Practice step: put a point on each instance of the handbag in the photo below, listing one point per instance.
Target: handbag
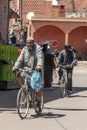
(36, 81)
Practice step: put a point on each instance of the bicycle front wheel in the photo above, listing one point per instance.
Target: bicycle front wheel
(22, 103)
(63, 86)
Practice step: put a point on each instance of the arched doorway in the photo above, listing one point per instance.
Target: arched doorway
(77, 38)
(50, 32)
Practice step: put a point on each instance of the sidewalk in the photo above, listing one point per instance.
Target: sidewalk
(69, 113)
(82, 62)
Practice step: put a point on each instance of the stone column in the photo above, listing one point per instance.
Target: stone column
(66, 37)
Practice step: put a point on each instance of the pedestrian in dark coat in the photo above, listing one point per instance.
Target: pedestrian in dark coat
(48, 66)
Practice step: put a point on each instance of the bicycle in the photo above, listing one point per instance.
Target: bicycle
(64, 81)
(27, 98)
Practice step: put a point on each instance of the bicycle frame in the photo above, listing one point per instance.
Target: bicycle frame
(65, 80)
(26, 97)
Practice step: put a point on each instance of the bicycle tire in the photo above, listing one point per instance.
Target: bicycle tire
(22, 103)
(38, 105)
(63, 86)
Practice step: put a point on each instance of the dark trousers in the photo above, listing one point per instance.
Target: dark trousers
(48, 74)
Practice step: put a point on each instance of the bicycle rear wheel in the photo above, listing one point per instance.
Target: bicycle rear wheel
(22, 103)
(38, 105)
(63, 86)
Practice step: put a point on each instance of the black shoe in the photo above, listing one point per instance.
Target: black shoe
(59, 82)
(30, 105)
(38, 107)
(69, 92)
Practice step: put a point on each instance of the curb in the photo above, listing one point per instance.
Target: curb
(82, 62)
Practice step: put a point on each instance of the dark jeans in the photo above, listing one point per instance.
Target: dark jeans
(69, 77)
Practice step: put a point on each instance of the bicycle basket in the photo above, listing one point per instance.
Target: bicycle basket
(36, 80)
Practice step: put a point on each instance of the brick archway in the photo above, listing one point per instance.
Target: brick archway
(77, 38)
(67, 30)
(50, 32)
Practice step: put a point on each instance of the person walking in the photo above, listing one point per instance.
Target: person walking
(48, 66)
(13, 39)
(67, 57)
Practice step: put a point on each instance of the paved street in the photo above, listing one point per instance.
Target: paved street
(69, 113)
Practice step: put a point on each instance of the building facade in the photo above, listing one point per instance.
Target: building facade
(6, 13)
(4, 19)
(46, 21)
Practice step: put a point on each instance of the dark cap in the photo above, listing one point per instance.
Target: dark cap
(67, 45)
(45, 43)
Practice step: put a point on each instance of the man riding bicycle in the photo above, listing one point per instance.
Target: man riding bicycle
(67, 57)
(32, 57)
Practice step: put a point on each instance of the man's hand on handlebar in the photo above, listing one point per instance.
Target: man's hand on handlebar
(37, 68)
(14, 69)
(72, 65)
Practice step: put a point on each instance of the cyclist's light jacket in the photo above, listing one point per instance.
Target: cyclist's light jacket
(30, 58)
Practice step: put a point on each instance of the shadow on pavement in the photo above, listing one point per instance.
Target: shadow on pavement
(48, 115)
(8, 97)
(55, 93)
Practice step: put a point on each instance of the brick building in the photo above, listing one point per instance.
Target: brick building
(50, 23)
(6, 13)
(4, 7)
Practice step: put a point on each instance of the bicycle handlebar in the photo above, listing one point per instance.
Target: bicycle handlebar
(66, 66)
(25, 70)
